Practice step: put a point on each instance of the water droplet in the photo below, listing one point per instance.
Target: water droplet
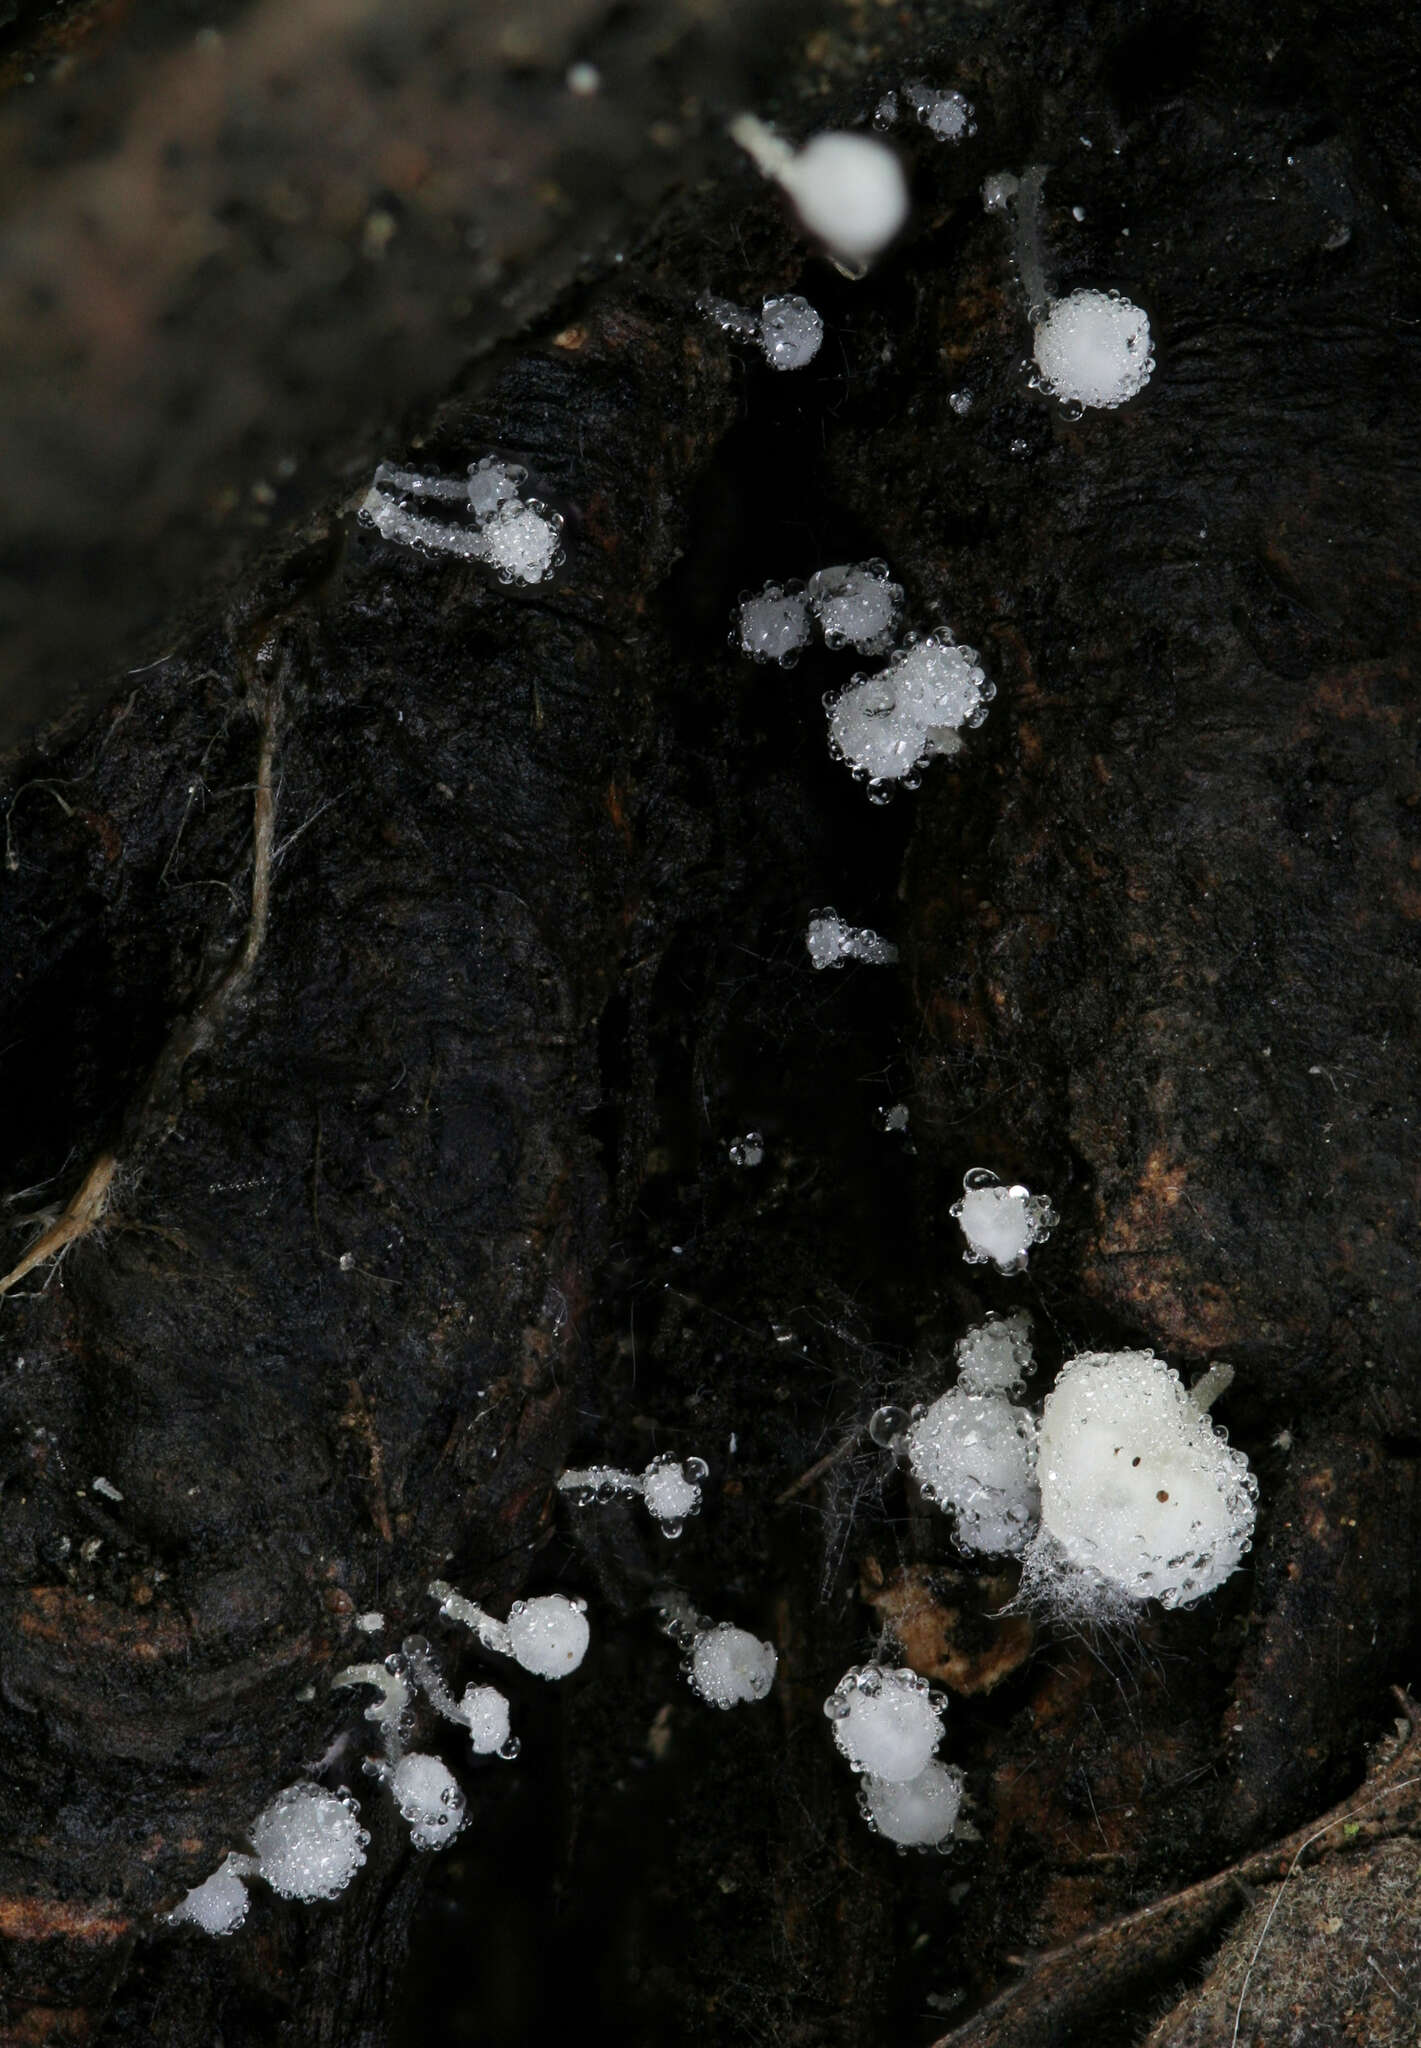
(886, 1425)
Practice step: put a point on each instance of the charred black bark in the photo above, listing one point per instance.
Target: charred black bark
(385, 1170)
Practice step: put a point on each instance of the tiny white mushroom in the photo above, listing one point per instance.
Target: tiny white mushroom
(547, 1635)
(919, 1814)
(428, 1796)
(729, 1666)
(309, 1842)
(670, 1487)
(483, 1710)
(1000, 1224)
(857, 605)
(219, 1904)
(886, 1723)
(1140, 1493)
(773, 625)
(1093, 349)
(848, 190)
(791, 332)
(831, 941)
(724, 1665)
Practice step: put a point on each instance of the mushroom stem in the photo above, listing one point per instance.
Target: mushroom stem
(1206, 1391)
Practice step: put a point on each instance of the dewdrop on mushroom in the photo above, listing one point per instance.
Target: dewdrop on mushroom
(1142, 1497)
(1000, 1224)
(943, 112)
(670, 1487)
(788, 329)
(723, 1665)
(547, 1635)
(886, 1723)
(848, 190)
(974, 1455)
(919, 1814)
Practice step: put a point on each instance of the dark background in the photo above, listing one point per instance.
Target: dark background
(441, 1201)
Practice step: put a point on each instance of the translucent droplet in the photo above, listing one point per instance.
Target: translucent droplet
(886, 1425)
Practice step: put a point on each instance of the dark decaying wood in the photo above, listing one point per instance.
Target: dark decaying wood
(387, 971)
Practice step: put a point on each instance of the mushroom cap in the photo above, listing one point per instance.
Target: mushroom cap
(850, 192)
(548, 1635)
(1093, 349)
(885, 1722)
(730, 1667)
(1137, 1485)
(917, 1814)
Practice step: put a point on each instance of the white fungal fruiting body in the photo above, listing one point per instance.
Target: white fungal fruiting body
(428, 1796)
(975, 1455)
(1093, 349)
(994, 1356)
(484, 1712)
(920, 1814)
(791, 332)
(832, 940)
(774, 624)
(670, 1486)
(857, 605)
(547, 1635)
(1001, 1224)
(730, 1667)
(886, 726)
(519, 538)
(219, 1905)
(886, 1723)
(1139, 1490)
(945, 113)
(848, 190)
(309, 1842)
(522, 543)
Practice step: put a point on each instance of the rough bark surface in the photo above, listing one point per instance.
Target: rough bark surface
(387, 971)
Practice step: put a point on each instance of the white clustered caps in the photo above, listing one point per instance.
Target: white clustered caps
(1093, 349)
(920, 1814)
(887, 726)
(790, 332)
(483, 1710)
(773, 625)
(945, 113)
(309, 1842)
(886, 1723)
(1142, 1496)
(1000, 1224)
(848, 190)
(832, 940)
(219, 1904)
(670, 1486)
(857, 605)
(547, 1635)
(974, 1454)
(519, 537)
(723, 1665)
